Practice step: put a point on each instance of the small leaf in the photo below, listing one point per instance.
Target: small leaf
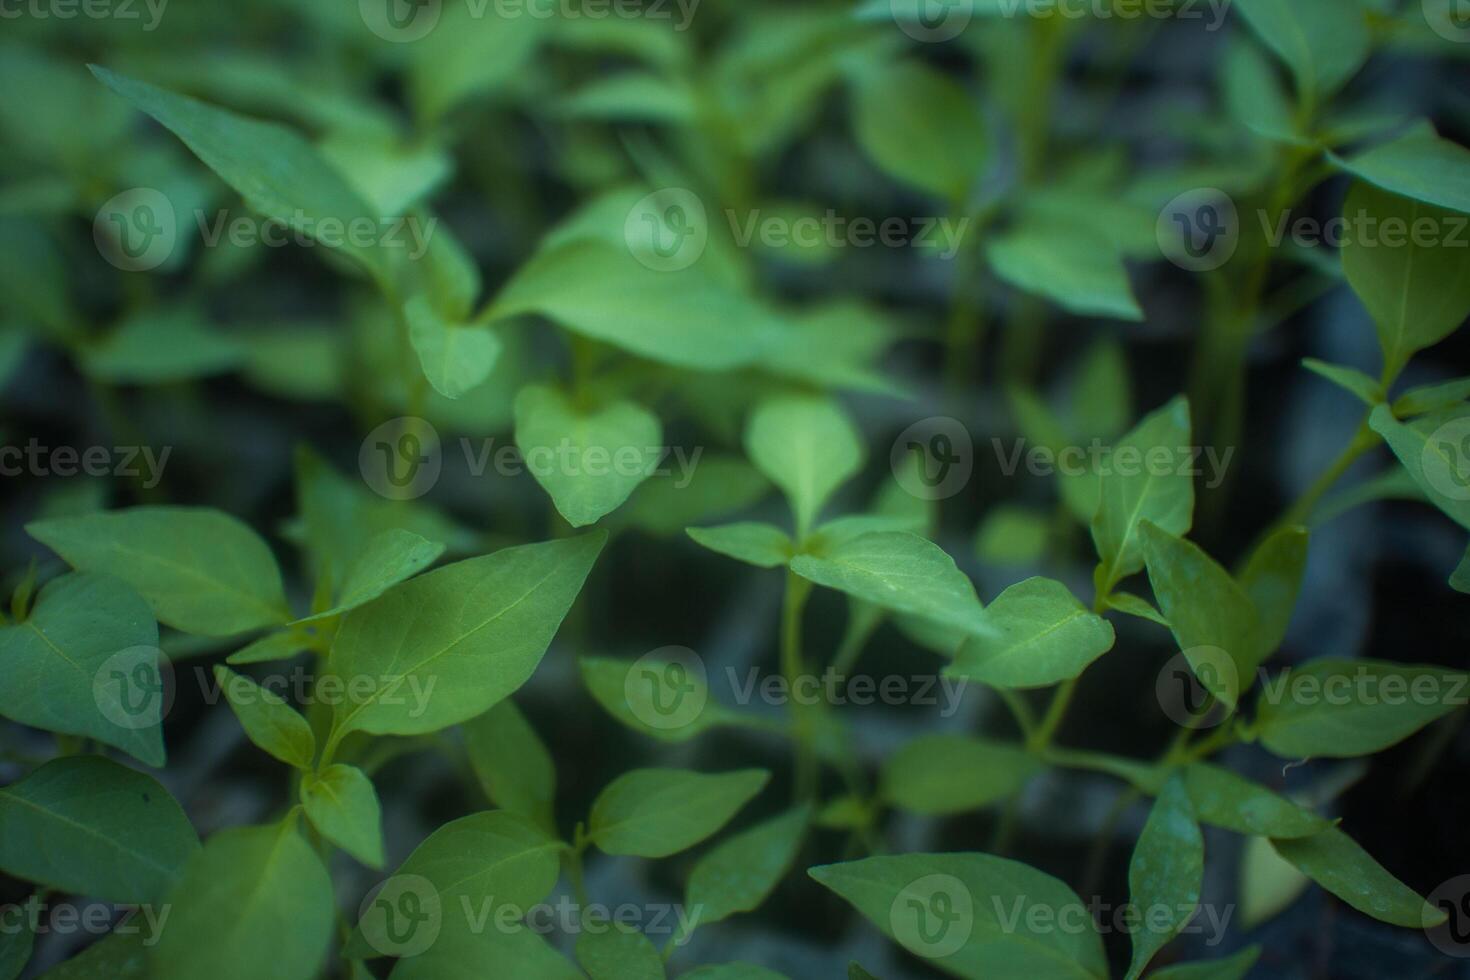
(341, 803)
(88, 825)
(1431, 398)
(456, 357)
(387, 558)
(1365, 389)
(920, 127)
(1335, 862)
(1233, 967)
(664, 699)
(658, 812)
(1432, 450)
(512, 764)
(1418, 165)
(807, 447)
(942, 774)
(1255, 97)
(1272, 578)
(613, 951)
(755, 543)
(281, 645)
(1222, 798)
(268, 720)
(161, 346)
(1165, 873)
(1082, 273)
(739, 873)
(1323, 42)
(1039, 635)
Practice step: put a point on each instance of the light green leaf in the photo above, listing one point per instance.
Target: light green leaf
(201, 570)
(612, 951)
(1433, 449)
(1165, 873)
(808, 447)
(1334, 861)
(1365, 389)
(590, 461)
(1039, 635)
(1223, 799)
(159, 346)
(512, 764)
(740, 872)
(1272, 578)
(254, 902)
(1013, 535)
(665, 699)
(943, 774)
(753, 542)
(341, 803)
(1419, 165)
(458, 59)
(1233, 967)
(1101, 402)
(1323, 42)
(973, 915)
(658, 812)
(446, 646)
(1269, 883)
(88, 825)
(456, 357)
(387, 558)
(902, 572)
(1127, 602)
(268, 720)
(920, 127)
(1431, 398)
(85, 662)
(1082, 273)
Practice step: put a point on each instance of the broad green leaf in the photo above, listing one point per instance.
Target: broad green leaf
(1323, 42)
(902, 572)
(1272, 578)
(1207, 612)
(1433, 449)
(943, 774)
(88, 825)
(732, 971)
(973, 915)
(1334, 861)
(808, 447)
(254, 902)
(201, 570)
(1410, 275)
(1255, 98)
(1419, 165)
(85, 662)
(920, 127)
(341, 803)
(1084, 274)
(1345, 708)
(1136, 488)
(159, 346)
(1365, 389)
(444, 647)
(753, 542)
(1039, 635)
(717, 486)
(1431, 398)
(1165, 873)
(589, 460)
(268, 720)
(512, 764)
(1223, 799)
(490, 952)
(658, 812)
(387, 558)
(665, 699)
(1233, 967)
(612, 951)
(277, 172)
(455, 356)
(739, 873)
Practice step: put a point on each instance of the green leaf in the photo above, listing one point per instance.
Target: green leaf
(1039, 635)
(1419, 165)
(1233, 967)
(1323, 42)
(740, 872)
(973, 915)
(902, 572)
(201, 570)
(254, 902)
(88, 825)
(1166, 873)
(1272, 578)
(512, 764)
(855, 971)
(589, 461)
(458, 59)
(281, 645)
(1223, 799)
(1365, 389)
(446, 646)
(277, 172)
(732, 971)
(117, 956)
(1415, 286)
(753, 542)
(1269, 883)
(942, 774)
(613, 951)
(920, 127)
(1013, 535)
(268, 720)
(658, 812)
(498, 951)
(1127, 602)
(666, 699)
(719, 485)
(1433, 451)
(159, 346)
(456, 357)
(1344, 708)
(1431, 398)
(85, 662)
(1135, 489)
(631, 96)
(387, 558)
(1255, 97)
(341, 803)
(1080, 272)
(1334, 861)
(808, 447)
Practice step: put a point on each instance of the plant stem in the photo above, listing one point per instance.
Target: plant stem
(1052, 720)
(792, 668)
(1301, 511)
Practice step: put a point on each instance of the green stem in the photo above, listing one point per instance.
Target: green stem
(792, 669)
(1300, 512)
(1052, 720)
